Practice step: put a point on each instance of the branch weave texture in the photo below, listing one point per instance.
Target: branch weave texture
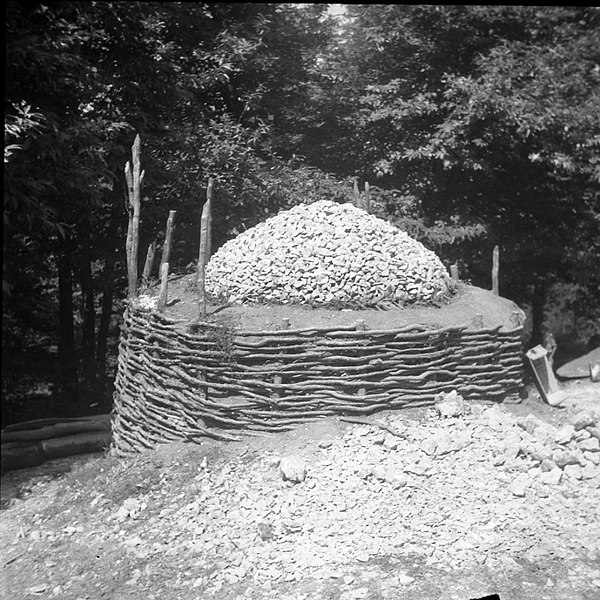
(175, 385)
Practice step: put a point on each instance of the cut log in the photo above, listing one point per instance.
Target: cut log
(54, 431)
(20, 455)
(102, 420)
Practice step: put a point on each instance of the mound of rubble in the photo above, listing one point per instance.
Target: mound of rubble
(326, 254)
(470, 485)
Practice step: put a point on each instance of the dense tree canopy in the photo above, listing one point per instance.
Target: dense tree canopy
(479, 125)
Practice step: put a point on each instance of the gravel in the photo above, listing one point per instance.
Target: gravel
(436, 492)
(326, 254)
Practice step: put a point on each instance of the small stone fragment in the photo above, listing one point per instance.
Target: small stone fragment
(592, 457)
(379, 473)
(537, 452)
(293, 469)
(519, 485)
(582, 434)
(590, 445)
(265, 531)
(529, 423)
(564, 434)
(379, 439)
(547, 465)
(450, 404)
(582, 420)
(499, 460)
(573, 471)
(564, 457)
(428, 445)
(595, 432)
(590, 471)
(397, 480)
(552, 477)
(364, 472)
(390, 442)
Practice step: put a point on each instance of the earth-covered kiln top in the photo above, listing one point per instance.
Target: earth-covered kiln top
(326, 254)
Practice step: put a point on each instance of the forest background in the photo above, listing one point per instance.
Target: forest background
(475, 126)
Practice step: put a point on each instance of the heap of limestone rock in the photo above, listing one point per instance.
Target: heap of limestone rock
(326, 254)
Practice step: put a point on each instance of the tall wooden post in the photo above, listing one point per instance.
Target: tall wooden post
(367, 202)
(454, 272)
(150, 253)
(166, 251)
(164, 282)
(134, 179)
(356, 193)
(495, 267)
(205, 232)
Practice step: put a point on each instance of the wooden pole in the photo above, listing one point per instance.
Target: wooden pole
(150, 253)
(454, 272)
(166, 251)
(367, 205)
(204, 247)
(164, 282)
(356, 193)
(134, 179)
(495, 267)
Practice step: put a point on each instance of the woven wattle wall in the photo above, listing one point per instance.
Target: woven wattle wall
(173, 384)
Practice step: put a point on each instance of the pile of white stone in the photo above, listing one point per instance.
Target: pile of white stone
(326, 254)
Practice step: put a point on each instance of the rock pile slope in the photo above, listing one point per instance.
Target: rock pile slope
(326, 254)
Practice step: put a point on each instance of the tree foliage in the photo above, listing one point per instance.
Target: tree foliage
(489, 117)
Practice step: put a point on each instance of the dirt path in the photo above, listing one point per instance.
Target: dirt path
(456, 507)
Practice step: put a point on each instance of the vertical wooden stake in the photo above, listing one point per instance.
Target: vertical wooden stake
(164, 279)
(166, 251)
(454, 272)
(495, 267)
(147, 273)
(134, 179)
(285, 323)
(356, 193)
(515, 318)
(367, 205)
(204, 247)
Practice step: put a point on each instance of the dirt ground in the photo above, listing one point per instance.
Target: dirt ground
(380, 514)
(459, 310)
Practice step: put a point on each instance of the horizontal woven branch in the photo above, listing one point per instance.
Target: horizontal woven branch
(176, 384)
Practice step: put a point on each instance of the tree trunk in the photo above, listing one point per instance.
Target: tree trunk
(538, 303)
(105, 315)
(68, 381)
(108, 288)
(88, 313)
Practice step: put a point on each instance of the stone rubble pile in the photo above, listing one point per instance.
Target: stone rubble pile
(452, 489)
(326, 254)
(572, 450)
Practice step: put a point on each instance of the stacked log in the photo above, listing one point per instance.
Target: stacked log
(32, 443)
(177, 383)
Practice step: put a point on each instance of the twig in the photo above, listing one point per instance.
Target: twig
(379, 424)
(12, 560)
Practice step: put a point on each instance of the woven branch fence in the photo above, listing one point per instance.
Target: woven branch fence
(179, 383)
